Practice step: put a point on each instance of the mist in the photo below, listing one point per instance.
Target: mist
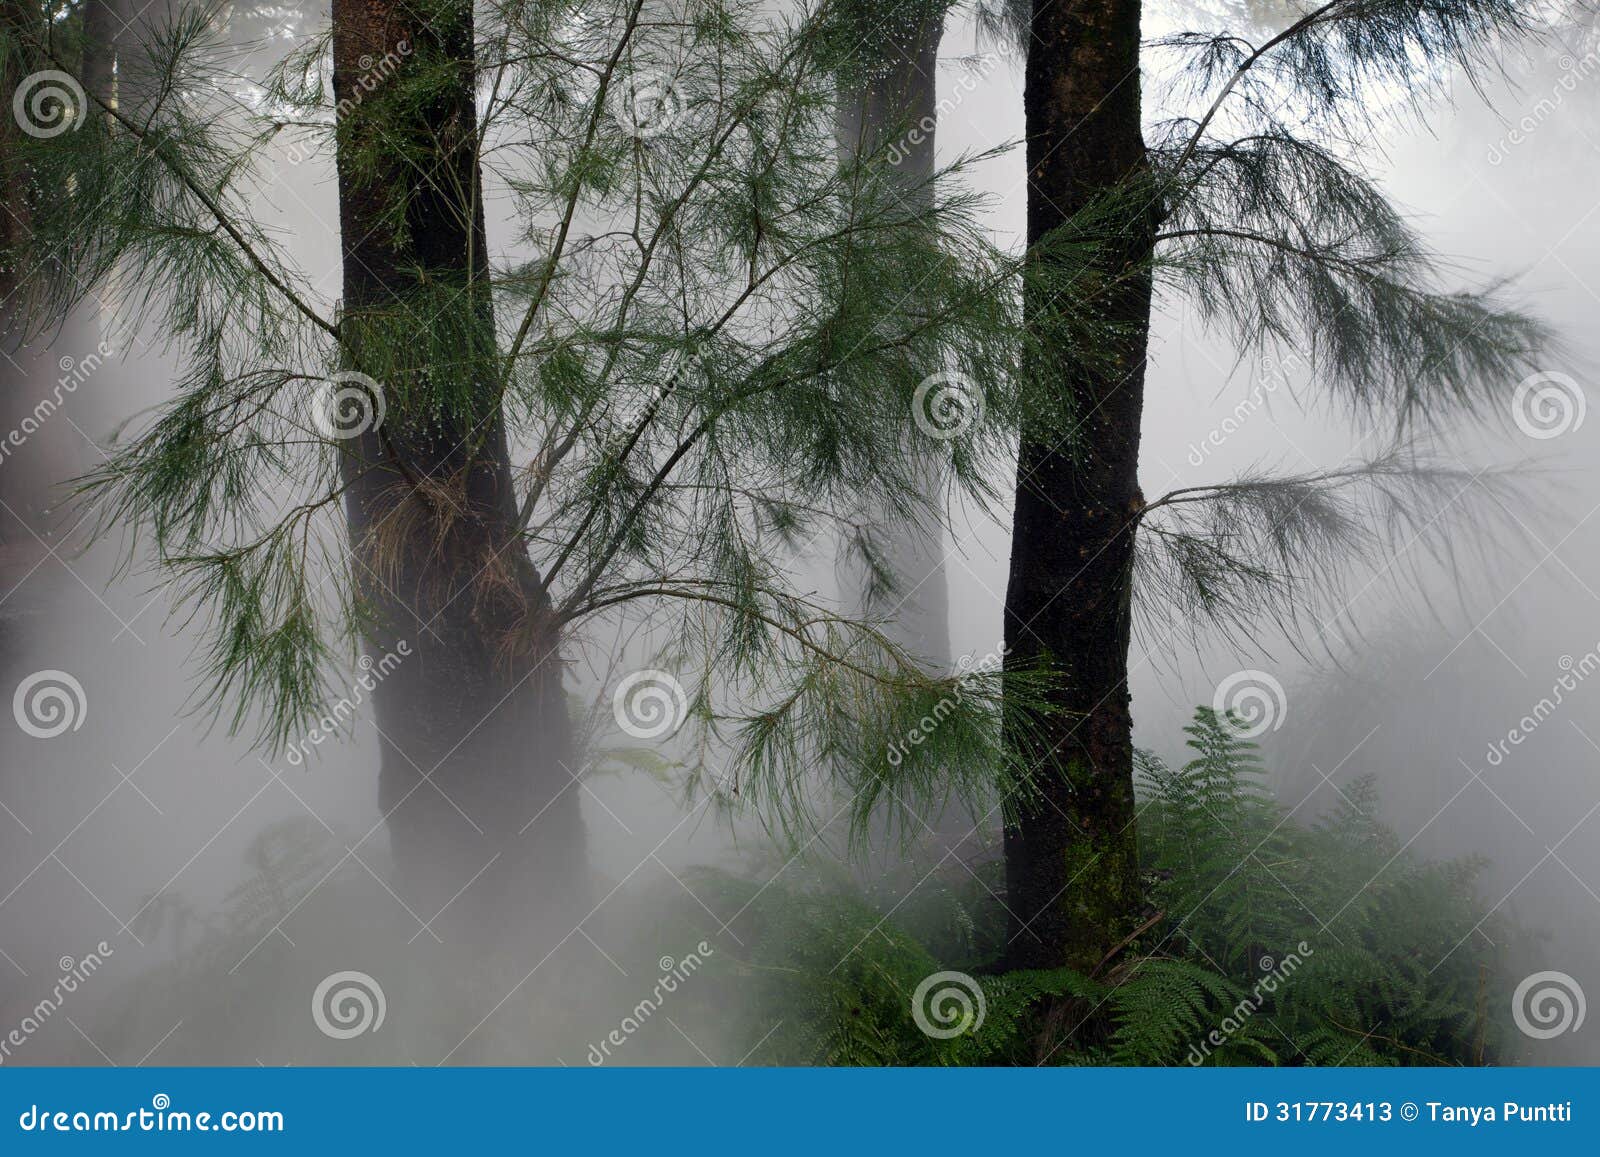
(244, 907)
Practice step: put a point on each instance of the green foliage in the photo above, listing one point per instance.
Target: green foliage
(1279, 548)
(696, 333)
(694, 326)
(1273, 230)
(1272, 942)
(1295, 944)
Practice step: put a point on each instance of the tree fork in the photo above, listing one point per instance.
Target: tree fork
(476, 740)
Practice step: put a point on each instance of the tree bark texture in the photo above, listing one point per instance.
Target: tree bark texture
(477, 761)
(1071, 856)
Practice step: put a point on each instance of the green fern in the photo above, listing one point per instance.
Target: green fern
(1276, 942)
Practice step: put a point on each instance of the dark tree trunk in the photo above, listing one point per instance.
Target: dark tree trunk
(1071, 858)
(476, 741)
(889, 105)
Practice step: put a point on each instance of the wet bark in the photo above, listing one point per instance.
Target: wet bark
(1071, 857)
(476, 749)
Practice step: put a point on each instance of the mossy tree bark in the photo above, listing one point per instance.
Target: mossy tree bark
(477, 763)
(1071, 856)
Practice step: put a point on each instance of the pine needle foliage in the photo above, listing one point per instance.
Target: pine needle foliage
(1274, 231)
(1275, 940)
(709, 337)
(1281, 549)
(705, 332)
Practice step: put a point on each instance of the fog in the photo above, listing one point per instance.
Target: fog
(142, 824)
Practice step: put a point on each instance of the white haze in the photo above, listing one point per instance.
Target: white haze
(144, 803)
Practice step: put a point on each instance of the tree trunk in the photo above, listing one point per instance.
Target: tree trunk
(1071, 857)
(475, 736)
(888, 105)
(102, 22)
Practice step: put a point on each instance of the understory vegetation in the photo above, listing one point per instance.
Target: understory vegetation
(1274, 935)
(1294, 942)
(637, 309)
